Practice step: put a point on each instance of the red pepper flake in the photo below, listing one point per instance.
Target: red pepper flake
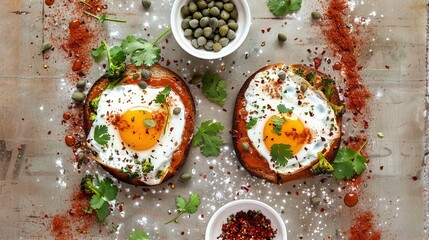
(415, 178)
(317, 62)
(247, 225)
(205, 176)
(363, 228)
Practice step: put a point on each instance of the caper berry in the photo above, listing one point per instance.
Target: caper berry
(198, 32)
(142, 84)
(214, 11)
(146, 74)
(177, 110)
(78, 97)
(231, 34)
(192, 7)
(223, 30)
(204, 22)
(201, 41)
(217, 47)
(194, 23)
(185, 23)
(316, 15)
(281, 37)
(146, 3)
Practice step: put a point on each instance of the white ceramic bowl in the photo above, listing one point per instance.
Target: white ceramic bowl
(243, 21)
(214, 228)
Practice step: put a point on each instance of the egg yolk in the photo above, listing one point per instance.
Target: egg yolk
(141, 129)
(292, 132)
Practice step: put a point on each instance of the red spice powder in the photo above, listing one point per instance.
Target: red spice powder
(343, 45)
(363, 228)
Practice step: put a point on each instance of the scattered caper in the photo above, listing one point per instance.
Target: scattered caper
(303, 88)
(316, 15)
(231, 34)
(196, 79)
(80, 85)
(146, 74)
(201, 41)
(177, 110)
(281, 37)
(223, 30)
(142, 84)
(282, 75)
(78, 97)
(185, 177)
(194, 23)
(245, 146)
(217, 47)
(46, 46)
(315, 201)
(146, 3)
(198, 32)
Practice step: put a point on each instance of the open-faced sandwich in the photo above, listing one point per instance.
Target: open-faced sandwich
(140, 128)
(286, 118)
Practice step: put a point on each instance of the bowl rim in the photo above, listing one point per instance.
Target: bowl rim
(250, 202)
(176, 29)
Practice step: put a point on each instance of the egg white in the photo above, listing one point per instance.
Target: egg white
(119, 100)
(265, 93)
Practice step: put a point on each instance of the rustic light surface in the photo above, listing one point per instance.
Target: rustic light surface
(38, 179)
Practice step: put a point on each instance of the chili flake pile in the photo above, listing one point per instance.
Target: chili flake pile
(250, 225)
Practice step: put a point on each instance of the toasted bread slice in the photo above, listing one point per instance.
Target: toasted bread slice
(249, 157)
(160, 77)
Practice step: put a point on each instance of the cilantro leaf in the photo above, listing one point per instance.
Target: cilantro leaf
(101, 135)
(282, 7)
(138, 235)
(96, 202)
(207, 137)
(182, 206)
(131, 44)
(162, 96)
(280, 153)
(214, 88)
(252, 122)
(107, 189)
(283, 109)
(348, 162)
(117, 54)
(103, 211)
(98, 53)
(278, 122)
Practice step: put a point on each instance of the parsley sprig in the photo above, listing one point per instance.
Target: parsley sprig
(214, 88)
(182, 206)
(280, 153)
(282, 7)
(102, 192)
(208, 139)
(349, 162)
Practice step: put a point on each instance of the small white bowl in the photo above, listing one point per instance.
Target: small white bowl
(243, 21)
(214, 228)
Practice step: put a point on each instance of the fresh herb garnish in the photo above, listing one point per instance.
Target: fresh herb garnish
(182, 206)
(103, 192)
(208, 138)
(161, 97)
(282, 7)
(283, 109)
(322, 166)
(348, 163)
(101, 135)
(115, 60)
(252, 122)
(103, 18)
(149, 123)
(214, 88)
(278, 122)
(142, 51)
(280, 153)
(138, 235)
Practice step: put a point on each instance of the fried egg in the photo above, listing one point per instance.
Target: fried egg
(309, 125)
(143, 134)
